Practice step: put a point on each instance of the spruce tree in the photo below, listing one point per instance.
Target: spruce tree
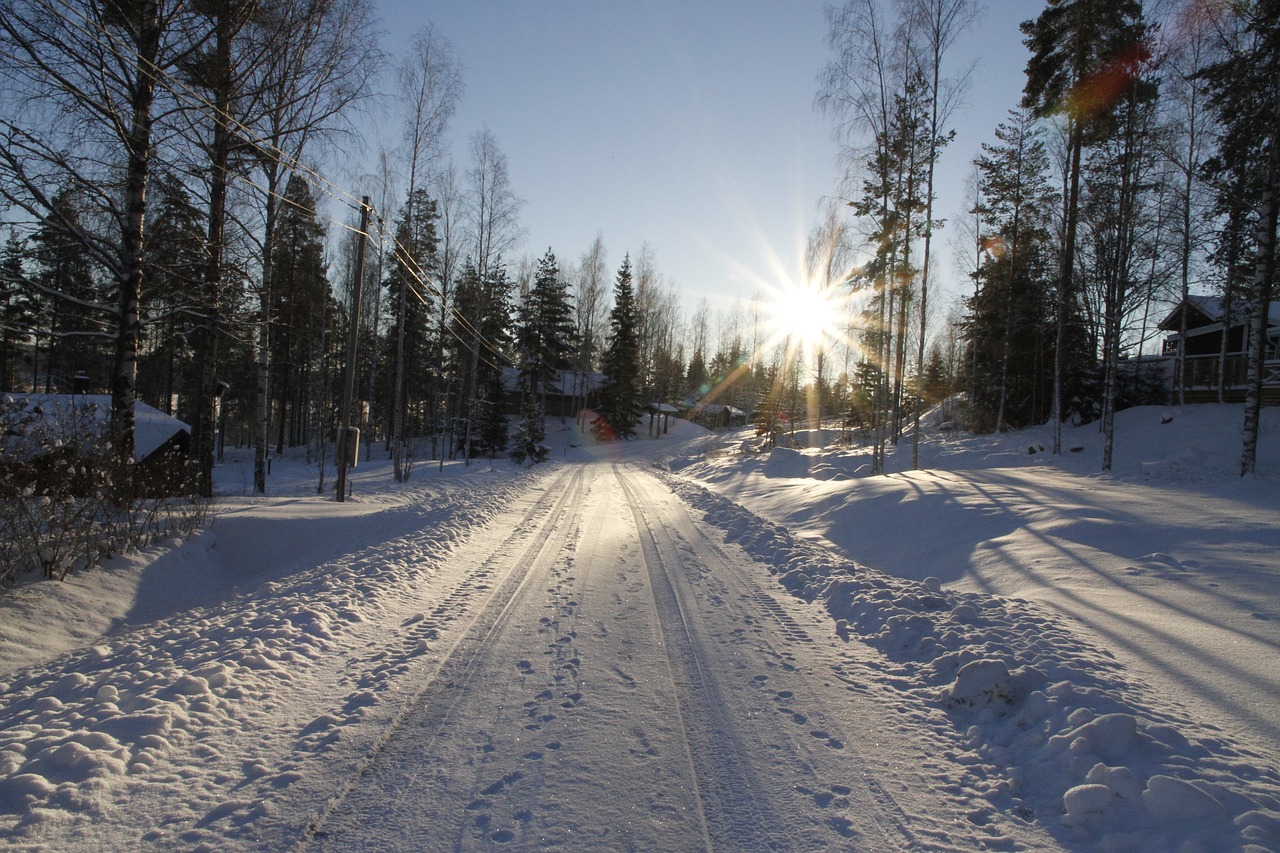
(172, 259)
(302, 303)
(480, 337)
(530, 439)
(413, 268)
(544, 341)
(17, 310)
(619, 406)
(72, 301)
(1010, 317)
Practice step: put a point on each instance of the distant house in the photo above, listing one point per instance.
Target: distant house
(570, 391)
(718, 415)
(1206, 326)
(70, 423)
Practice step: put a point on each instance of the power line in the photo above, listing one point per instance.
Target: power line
(180, 89)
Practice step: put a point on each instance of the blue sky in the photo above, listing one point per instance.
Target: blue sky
(685, 124)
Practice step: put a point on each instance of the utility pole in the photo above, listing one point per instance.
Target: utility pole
(353, 333)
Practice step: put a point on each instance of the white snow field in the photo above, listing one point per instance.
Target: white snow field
(676, 645)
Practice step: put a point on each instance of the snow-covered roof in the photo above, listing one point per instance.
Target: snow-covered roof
(152, 427)
(567, 382)
(1212, 308)
(718, 408)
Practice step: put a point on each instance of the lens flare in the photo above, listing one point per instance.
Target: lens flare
(806, 315)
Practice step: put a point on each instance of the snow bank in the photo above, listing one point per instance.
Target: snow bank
(1055, 733)
(168, 706)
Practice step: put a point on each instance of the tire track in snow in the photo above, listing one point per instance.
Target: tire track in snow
(541, 531)
(734, 817)
(940, 825)
(880, 821)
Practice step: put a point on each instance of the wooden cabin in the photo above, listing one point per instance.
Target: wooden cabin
(1205, 370)
(718, 416)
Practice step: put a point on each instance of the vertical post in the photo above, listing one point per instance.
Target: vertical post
(353, 333)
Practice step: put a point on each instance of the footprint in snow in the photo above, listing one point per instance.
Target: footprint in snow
(843, 826)
(499, 786)
(796, 717)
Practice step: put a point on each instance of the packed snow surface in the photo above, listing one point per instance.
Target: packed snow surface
(689, 643)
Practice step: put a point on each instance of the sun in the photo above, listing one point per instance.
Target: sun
(806, 315)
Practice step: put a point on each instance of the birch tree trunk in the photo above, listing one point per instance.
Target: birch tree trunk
(124, 382)
(1260, 293)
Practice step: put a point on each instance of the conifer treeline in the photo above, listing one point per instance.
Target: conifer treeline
(170, 232)
(1139, 167)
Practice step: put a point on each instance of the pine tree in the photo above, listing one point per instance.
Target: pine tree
(892, 202)
(619, 406)
(1075, 45)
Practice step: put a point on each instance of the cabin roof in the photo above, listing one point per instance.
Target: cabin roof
(152, 427)
(1208, 310)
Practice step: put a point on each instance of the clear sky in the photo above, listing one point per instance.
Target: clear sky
(686, 124)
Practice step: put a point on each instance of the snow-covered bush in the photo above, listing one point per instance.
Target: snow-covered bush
(531, 434)
(54, 476)
(65, 501)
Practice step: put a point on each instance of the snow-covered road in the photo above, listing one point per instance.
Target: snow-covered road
(626, 681)
(606, 653)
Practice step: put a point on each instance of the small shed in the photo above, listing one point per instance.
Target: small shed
(718, 415)
(661, 414)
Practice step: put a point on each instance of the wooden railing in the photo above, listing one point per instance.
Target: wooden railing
(1201, 371)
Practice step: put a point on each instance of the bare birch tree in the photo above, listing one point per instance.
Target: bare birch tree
(591, 307)
(939, 23)
(1186, 149)
(450, 251)
(319, 60)
(492, 213)
(431, 84)
(86, 78)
